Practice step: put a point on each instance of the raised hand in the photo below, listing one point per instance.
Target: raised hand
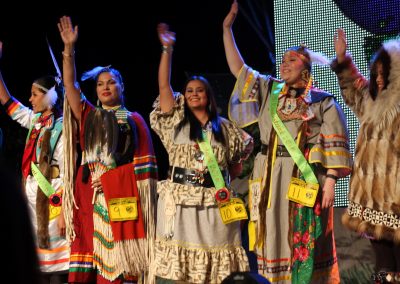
(68, 33)
(340, 43)
(230, 18)
(167, 38)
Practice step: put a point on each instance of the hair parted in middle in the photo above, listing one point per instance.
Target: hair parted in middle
(94, 74)
(212, 111)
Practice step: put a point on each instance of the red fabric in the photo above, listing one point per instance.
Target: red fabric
(83, 226)
(119, 183)
(144, 149)
(83, 217)
(30, 147)
(83, 193)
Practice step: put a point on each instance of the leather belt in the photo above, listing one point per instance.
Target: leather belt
(194, 177)
(281, 150)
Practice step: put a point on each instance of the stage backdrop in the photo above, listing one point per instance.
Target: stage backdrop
(314, 22)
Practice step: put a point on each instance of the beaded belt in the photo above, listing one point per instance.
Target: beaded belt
(194, 177)
(386, 277)
(281, 150)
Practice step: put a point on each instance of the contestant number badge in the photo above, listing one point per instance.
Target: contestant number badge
(302, 192)
(232, 210)
(123, 209)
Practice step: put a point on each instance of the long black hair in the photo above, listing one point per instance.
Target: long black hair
(383, 57)
(195, 125)
(48, 82)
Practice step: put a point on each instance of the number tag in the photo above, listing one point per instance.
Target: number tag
(302, 192)
(123, 209)
(232, 210)
(54, 211)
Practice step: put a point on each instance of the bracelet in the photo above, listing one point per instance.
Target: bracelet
(167, 48)
(68, 54)
(331, 176)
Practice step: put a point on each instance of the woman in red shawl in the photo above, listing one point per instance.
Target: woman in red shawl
(117, 174)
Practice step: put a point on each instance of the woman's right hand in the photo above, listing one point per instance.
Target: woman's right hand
(340, 44)
(68, 33)
(167, 38)
(61, 224)
(230, 18)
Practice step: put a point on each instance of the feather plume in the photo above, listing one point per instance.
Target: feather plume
(318, 58)
(91, 74)
(101, 138)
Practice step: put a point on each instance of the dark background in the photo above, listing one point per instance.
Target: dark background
(123, 35)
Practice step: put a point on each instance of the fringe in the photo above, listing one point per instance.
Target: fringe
(148, 200)
(106, 256)
(128, 257)
(69, 142)
(132, 255)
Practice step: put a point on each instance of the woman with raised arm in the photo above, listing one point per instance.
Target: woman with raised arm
(305, 149)
(374, 202)
(114, 194)
(198, 240)
(42, 170)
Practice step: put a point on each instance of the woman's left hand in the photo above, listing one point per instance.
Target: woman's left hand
(328, 193)
(96, 185)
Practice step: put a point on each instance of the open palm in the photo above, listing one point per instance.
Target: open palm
(69, 34)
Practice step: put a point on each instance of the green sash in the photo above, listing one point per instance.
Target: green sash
(43, 183)
(211, 162)
(286, 137)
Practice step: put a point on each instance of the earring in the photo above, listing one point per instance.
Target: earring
(305, 75)
(98, 103)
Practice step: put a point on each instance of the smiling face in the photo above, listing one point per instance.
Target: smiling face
(196, 95)
(37, 100)
(109, 89)
(291, 69)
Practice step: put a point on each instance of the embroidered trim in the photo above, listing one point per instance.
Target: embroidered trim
(333, 136)
(373, 216)
(335, 144)
(246, 85)
(331, 153)
(254, 90)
